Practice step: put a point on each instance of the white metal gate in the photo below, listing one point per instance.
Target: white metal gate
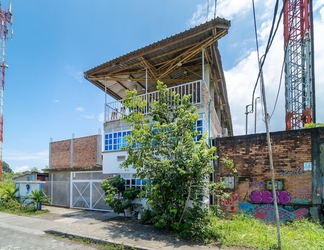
(86, 191)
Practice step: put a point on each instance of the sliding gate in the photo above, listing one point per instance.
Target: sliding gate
(86, 191)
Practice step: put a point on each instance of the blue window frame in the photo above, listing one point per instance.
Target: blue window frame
(115, 140)
(199, 127)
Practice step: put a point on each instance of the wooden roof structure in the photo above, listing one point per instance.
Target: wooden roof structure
(174, 60)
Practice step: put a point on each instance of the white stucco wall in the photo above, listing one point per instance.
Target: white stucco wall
(112, 160)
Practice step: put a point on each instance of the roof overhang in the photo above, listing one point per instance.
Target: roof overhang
(174, 60)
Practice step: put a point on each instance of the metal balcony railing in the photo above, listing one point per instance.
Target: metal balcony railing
(115, 110)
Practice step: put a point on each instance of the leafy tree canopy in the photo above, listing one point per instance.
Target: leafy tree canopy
(6, 168)
(34, 169)
(162, 147)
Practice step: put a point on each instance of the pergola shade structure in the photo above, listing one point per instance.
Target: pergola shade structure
(175, 60)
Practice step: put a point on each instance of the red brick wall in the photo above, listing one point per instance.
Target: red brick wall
(85, 153)
(291, 149)
(60, 154)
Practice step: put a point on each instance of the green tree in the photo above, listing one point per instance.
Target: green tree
(46, 169)
(34, 169)
(162, 148)
(6, 168)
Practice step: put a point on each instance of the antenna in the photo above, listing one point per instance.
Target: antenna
(5, 18)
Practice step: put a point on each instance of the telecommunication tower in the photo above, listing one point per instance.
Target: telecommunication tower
(299, 63)
(6, 18)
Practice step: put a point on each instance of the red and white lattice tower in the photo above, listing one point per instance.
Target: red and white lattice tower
(5, 19)
(299, 63)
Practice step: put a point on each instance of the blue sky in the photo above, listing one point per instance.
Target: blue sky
(54, 42)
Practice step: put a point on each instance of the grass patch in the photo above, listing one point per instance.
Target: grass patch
(15, 207)
(92, 242)
(246, 231)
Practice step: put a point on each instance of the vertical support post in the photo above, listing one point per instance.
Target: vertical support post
(312, 65)
(71, 189)
(255, 113)
(105, 107)
(146, 81)
(71, 151)
(246, 117)
(5, 17)
(203, 63)
(147, 101)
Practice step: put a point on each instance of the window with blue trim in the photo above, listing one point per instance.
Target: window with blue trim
(115, 140)
(199, 127)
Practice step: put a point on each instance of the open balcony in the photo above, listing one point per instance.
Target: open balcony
(114, 111)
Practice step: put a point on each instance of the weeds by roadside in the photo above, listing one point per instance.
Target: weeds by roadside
(246, 231)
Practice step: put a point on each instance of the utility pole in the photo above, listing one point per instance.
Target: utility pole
(6, 17)
(273, 180)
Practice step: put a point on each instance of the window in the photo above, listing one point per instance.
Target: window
(115, 140)
(132, 182)
(199, 127)
(279, 184)
(121, 158)
(229, 181)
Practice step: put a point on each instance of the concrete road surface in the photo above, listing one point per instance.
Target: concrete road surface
(14, 238)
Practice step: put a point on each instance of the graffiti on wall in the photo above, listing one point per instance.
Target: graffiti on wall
(300, 201)
(228, 204)
(258, 184)
(267, 212)
(290, 172)
(266, 196)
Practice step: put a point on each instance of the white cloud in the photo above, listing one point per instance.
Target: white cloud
(24, 155)
(21, 169)
(79, 109)
(101, 117)
(318, 4)
(21, 161)
(319, 62)
(55, 100)
(241, 77)
(224, 8)
(89, 116)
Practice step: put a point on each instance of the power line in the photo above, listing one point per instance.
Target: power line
(272, 35)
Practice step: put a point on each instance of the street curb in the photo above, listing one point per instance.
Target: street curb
(93, 240)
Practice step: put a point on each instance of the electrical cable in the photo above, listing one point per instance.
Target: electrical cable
(272, 34)
(279, 87)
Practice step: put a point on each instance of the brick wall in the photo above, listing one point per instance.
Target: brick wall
(84, 152)
(60, 154)
(292, 151)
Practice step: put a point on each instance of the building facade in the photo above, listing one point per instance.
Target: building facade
(75, 173)
(189, 63)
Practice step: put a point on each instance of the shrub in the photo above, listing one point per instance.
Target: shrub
(117, 197)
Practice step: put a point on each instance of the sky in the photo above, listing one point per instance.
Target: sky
(47, 98)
